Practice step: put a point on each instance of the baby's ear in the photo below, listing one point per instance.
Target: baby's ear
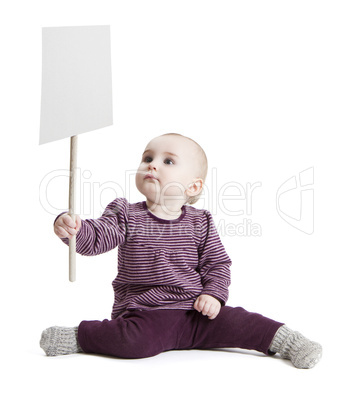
(194, 188)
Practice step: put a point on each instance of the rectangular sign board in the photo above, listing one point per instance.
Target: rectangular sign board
(76, 81)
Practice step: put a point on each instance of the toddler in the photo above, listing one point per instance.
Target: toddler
(173, 271)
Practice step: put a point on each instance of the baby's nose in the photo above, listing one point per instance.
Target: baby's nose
(152, 166)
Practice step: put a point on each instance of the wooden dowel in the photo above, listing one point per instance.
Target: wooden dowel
(72, 242)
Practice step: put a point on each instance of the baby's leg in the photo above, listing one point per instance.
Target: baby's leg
(238, 328)
(60, 341)
(136, 334)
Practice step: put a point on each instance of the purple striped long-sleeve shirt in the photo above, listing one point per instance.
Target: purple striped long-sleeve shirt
(162, 264)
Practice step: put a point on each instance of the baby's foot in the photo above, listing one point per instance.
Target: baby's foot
(292, 345)
(60, 341)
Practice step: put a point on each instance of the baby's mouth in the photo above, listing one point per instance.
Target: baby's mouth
(150, 176)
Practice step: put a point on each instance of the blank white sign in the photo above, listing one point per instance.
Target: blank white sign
(76, 81)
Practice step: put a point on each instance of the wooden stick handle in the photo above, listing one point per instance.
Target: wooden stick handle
(72, 242)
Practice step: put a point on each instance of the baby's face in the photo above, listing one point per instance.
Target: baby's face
(168, 165)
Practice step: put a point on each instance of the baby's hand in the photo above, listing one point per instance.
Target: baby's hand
(207, 305)
(65, 227)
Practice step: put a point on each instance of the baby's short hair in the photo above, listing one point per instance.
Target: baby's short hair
(203, 165)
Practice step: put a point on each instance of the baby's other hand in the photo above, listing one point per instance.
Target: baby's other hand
(207, 305)
(65, 227)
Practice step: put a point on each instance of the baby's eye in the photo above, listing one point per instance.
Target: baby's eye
(168, 161)
(148, 159)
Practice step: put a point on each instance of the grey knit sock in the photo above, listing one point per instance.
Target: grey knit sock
(292, 345)
(60, 341)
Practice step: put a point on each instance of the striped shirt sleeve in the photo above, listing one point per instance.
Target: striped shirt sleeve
(97, 236)
(214, 262)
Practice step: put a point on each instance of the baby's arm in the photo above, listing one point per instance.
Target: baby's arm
(214, 262)
(96, 236)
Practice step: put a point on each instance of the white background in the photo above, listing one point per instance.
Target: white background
(266, 88)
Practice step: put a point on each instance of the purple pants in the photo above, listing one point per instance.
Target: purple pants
(138, 334)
